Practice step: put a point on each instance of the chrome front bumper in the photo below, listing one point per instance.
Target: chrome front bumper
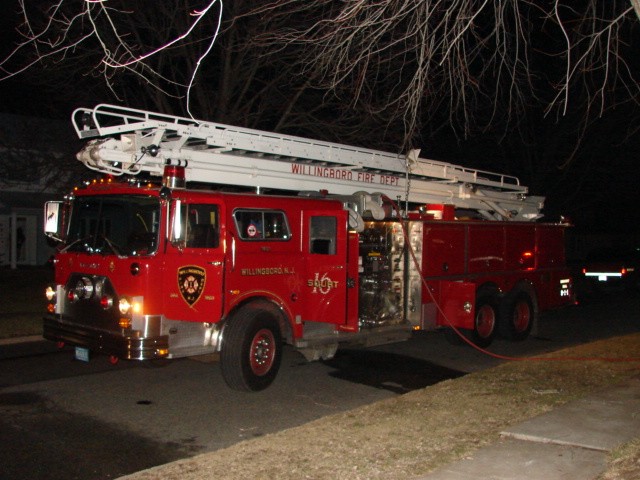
(129, 347)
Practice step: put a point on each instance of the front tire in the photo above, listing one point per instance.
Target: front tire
(251, 350)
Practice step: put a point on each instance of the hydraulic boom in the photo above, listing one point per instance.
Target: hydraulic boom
(126, 141)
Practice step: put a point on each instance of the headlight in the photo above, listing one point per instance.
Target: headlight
(124, 305)
(129, 306)
(50, 293)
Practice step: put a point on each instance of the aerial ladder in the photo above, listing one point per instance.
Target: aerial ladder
(127, 141)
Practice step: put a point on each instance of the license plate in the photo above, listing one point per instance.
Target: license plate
(82, 354)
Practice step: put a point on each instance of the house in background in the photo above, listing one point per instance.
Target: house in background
(21, 239)
(36, 164)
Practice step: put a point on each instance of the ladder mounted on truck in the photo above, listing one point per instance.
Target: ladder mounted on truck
(126, 141)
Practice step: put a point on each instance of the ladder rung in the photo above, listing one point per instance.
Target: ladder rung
(110, 120)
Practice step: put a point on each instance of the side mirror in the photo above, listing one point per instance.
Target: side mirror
(54, 221)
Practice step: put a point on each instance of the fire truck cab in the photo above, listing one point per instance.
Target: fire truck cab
(148, 271)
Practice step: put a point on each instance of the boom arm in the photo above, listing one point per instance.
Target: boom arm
(126, 141)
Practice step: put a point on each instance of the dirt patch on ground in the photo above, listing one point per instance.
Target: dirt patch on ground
(415, 433)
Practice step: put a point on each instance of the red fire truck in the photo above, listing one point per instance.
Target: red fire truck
(371, 247)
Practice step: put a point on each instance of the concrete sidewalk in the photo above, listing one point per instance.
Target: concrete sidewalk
(570, 442)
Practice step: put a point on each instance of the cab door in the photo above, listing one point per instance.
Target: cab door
(325, 250)
(194, 264)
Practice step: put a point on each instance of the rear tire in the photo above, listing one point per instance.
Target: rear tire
(484, 325)
(485, 322)
(518, 315)
(251, 350)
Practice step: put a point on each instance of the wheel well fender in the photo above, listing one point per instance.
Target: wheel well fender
(488, 289)
(268, 305)
(524, 286)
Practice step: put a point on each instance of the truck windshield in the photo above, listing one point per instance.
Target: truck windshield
(110, 224)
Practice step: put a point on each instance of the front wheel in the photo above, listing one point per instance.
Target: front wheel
(251, 350)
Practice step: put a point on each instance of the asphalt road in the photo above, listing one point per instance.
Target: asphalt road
(61, 418)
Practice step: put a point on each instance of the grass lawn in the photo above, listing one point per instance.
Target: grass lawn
(22, 301)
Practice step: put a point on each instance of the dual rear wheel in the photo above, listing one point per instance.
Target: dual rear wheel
(485, 322)
(512, 317)
(518, 315)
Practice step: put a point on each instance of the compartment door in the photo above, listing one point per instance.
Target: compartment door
(325, 251)
(456, 301)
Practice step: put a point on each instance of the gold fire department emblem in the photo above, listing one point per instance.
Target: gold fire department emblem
(191, 279)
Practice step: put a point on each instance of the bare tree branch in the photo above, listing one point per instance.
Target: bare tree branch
(430, 56)
(596, 53)
(412, 66)
(107, 35)
(636, 7)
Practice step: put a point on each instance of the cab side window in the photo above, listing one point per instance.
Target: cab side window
(322, 235)
(263, 225)
(202, 226)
